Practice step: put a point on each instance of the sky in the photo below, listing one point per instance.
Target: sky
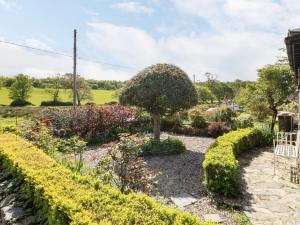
(118, 38)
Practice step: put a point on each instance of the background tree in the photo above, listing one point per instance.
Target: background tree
(204, 94)
(273, 88)
(253, 101)
(84, 91)
(160, 89)
(276, 84)
(221, 90)
(20, 89)
(54, 87)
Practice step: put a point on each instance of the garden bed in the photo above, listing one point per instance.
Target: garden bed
(69, 198)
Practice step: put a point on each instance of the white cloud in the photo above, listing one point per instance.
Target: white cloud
(90, 12)
(128, 45)
(134, 7)
(10, 5)
(35, 43)
(14, 60)
(269, 15)
(230, 54)
(244, 35)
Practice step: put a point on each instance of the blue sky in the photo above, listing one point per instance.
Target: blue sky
(227, 37)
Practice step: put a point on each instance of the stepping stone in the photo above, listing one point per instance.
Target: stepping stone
(183, 200)
(213, 217)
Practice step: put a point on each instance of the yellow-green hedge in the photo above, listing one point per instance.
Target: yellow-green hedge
(69, 198)
(221, 168)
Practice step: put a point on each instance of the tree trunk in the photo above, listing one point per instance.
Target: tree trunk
(156, 127)
(78, 99)
(273, 119)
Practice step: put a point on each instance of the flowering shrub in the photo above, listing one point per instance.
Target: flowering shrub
(39, 134)
(124, 168)
(91, 122)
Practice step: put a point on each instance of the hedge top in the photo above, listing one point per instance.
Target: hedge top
(79, 200)
(160, 89)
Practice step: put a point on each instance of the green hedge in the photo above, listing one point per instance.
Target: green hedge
(168, 146)
(221, 168)
(68, 198)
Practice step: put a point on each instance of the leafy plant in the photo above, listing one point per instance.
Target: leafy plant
(244, 120)
(90, 122)
(198, 118)
(167, 146)
(41, 136)
(216, 129)
(124, 168)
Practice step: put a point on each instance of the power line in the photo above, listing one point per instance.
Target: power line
(66, 55)
(33, 48)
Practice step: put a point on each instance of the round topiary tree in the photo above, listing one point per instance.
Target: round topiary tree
(160, 89)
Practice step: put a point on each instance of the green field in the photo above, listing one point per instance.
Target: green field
(39, 95)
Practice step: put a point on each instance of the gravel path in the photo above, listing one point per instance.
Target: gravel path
(180, 181)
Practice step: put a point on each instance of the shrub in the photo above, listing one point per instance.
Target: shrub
(191, 131)
(20, 103)
(244, 120)
(198, 121)
(224, 114)
(171, 122)
(221, 168)
(167, 146)
(41, 136)
(216, 129)
(67, 198)
(92, 123)
(125, 169)
(56, 103)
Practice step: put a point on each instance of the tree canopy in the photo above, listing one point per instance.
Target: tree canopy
(21, 88)
(273, 88)
(160, 89)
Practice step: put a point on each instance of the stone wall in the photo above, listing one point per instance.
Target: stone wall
(14, 208)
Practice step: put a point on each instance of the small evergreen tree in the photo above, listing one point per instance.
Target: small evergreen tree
(160, 89)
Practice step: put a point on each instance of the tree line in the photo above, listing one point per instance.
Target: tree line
(20, 88)
(46, 82)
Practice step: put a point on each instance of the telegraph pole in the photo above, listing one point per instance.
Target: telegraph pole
(74, 70)
(194, 78)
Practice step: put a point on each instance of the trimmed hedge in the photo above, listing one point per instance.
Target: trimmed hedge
(221, 168)
(68, 198)
(56, 103)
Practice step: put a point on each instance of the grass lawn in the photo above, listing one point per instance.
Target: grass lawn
(10, 121)
(38, 95)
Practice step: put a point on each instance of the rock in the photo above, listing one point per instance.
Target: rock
(213, 217)
(8, 200)
(183, 200)
(12, 214)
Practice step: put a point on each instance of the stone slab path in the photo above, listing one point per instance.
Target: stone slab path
(268, 200)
